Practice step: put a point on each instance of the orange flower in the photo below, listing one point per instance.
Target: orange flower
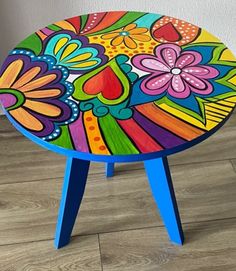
(127, 35)
(30, 88)
(32, 93)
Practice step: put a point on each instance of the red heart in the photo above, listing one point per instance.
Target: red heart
(167, 32)
(105, 82)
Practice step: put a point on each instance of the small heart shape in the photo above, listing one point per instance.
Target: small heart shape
(167, 32)
(105, 82)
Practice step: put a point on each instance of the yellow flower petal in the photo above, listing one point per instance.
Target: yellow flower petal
(129, 27)
(117, 41)
(84, 64)
(26, 119)
(129, 42)
(78, 58)
(10, 74)
(45, 93)
(43, 108)
(37, 83)
(60, 44)
(141, 37)
(110, 35)
(68, 50)
(26, 77)
(138, 30)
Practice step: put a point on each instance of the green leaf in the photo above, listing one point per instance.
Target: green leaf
(64, 140)
(33, 43)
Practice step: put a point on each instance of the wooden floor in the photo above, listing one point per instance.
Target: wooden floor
(118, 228)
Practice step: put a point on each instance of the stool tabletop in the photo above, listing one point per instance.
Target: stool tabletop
(119, 86)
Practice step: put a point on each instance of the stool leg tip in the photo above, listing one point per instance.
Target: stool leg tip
(60, 243)
(179, 241)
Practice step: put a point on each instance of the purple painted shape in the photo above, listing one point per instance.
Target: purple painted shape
(47, 31)
(162, 136)
(78, 134)
(7, 99)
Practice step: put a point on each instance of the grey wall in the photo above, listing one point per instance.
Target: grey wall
(19, 18)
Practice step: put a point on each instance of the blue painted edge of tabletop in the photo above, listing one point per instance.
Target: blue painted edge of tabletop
(113, 158)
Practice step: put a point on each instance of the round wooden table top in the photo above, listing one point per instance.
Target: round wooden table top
(119, 86)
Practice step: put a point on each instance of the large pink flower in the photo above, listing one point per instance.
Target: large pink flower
(175, 71)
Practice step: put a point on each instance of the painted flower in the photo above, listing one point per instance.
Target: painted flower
(127, 35)
(74, 52)
(34, 92)
(176, 71)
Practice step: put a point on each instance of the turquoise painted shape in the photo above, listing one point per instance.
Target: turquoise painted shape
(67, 60)
(147, 20)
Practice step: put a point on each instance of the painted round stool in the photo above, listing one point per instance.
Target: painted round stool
(118, 87)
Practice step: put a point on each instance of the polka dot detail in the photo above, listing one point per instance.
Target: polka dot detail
(113, 51)
(171, 30)
(94, 136)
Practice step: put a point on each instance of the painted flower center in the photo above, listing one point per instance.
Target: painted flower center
(176, 71)
(124, 33)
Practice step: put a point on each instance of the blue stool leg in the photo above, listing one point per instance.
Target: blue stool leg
(110, 169)
(162, 189)
(72, 193)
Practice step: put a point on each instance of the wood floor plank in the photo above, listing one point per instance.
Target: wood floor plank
(30, 190)
(31, 208)
(219, 146)
(210, 246)
(23, 160)
(204, 191)
(233, 161)
(80, 255)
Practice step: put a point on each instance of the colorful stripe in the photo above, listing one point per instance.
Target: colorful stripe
(211, 108)
(78, 134)
(212, 113)
(47, 31)
(41, 35)
(66, 25)
(92, 21)
(226, 109)
(117, 140)
(169, 122)
(54, 27)
(75, 21)
(226, 103)
(164, 137)
(183, 116)
(95, 140)
(109, 19)
(142, 140)
(212, 118)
